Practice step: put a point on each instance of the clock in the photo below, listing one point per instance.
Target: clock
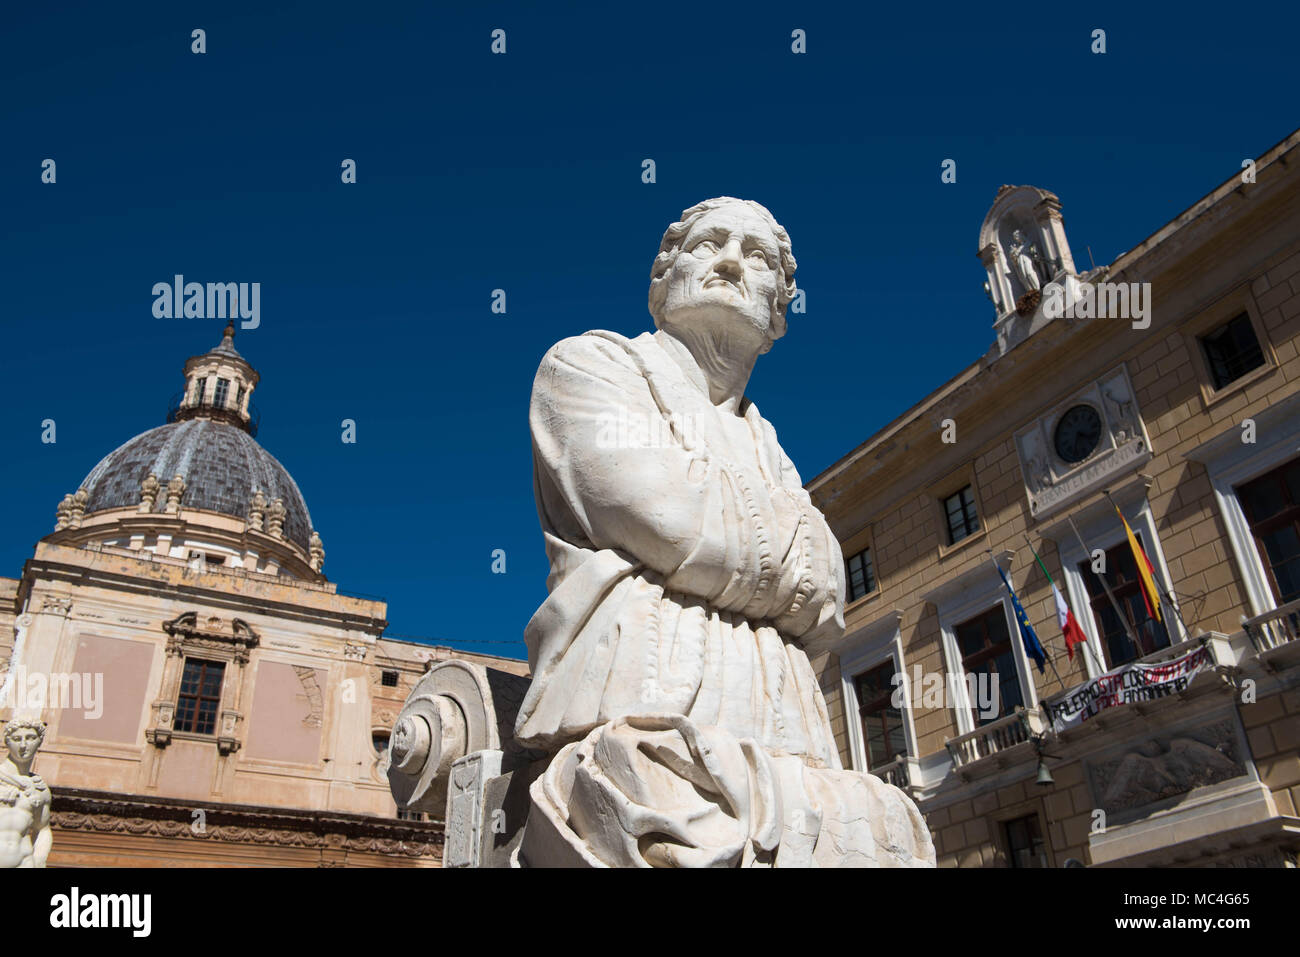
(1077, 434)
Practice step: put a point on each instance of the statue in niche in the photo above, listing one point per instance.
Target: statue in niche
(25, 834)
(1022, 261)
(671, 688)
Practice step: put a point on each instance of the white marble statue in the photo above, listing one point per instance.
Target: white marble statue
(25, 835)
(1023, 262)
(687, 725)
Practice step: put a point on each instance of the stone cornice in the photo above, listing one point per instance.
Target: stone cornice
(75, 809)
(239, 594)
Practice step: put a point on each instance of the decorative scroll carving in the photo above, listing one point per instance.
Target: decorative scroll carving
(315, 699)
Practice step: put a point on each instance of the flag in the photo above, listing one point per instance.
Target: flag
(1064, 617)
(1146, 573)
(1027, 637)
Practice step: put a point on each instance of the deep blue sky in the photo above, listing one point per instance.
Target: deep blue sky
(523, 172)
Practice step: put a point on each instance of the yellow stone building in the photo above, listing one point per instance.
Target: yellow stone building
(1166, 741)
(211, 698)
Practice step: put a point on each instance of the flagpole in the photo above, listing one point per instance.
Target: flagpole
(1162, 593)
(1039, 559)
(1101, 577)
(1048, 657)
(1049, 577)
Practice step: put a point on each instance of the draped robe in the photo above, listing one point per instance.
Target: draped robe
(687, 562)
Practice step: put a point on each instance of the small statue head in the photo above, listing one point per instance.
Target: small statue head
(725, 260)
(1017, 237)
(23, 737)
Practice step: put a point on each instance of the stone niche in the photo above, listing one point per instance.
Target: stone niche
(1023, 248)
(1082, 443)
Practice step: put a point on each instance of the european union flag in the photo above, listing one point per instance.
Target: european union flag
(1027, 637)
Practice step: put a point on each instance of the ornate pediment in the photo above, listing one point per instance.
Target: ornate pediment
(190, 633)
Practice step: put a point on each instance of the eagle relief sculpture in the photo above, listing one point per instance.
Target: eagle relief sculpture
(670, 684)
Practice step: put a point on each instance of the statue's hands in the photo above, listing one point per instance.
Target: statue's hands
(812, 573)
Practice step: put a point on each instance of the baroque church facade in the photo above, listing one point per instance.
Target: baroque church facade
(1163, 387)
(211, 697)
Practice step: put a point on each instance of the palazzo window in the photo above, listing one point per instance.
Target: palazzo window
(960, 512)
(882, 723)
(388, 679)
(861, 574)
(1271, 504)
(1122, 576)
(199, 699)
(379, 741)
(1232, 350)
(985, 646)
(1024, 837)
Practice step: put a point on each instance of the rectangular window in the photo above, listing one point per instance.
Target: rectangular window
(199, 385)
(219, 400)
(1122, 576)
(1232, 350)
(388, 679)
(985, 647)
(960, 512)
(200, 696)
(1025, 842)
(239, 397)
(861, 575)
(882, 723)
(1271, 504)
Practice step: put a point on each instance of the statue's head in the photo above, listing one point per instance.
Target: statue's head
(726, 260)
(23, 736)
(1017, 237)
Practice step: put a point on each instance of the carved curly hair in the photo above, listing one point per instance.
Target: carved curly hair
(671, 246)
(18, 724)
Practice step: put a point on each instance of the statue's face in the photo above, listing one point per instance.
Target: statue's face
(728, 270)
(23, 744)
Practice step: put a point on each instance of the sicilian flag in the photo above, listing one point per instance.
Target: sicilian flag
(1146, 572)
(1033, 648)
(1064, 617)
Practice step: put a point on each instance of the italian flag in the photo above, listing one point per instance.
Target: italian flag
(1064, 617)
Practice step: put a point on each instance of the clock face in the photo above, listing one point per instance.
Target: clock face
(1078, 433)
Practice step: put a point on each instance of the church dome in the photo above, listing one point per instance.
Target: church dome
(150, 494)
(221, 464)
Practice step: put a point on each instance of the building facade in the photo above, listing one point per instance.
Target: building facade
(1163, 387)
(211, 697)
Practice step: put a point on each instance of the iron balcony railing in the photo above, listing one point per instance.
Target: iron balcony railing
(179, 409)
